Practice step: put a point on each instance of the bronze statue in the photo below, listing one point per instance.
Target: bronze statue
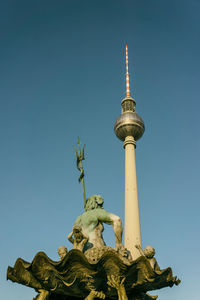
(77, 238)
(91, 223)
(149, 253)
(118, 283)
(91, 269)
(62, 251)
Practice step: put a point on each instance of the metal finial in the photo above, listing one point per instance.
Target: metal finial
(128, 94)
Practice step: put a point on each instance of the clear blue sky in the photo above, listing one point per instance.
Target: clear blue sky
(62, 69)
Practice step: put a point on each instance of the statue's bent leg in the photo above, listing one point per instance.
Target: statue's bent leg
(118, 284)
(122, 293)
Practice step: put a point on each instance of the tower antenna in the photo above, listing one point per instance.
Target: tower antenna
(128, 94)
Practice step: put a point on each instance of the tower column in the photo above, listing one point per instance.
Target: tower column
(132, 235)
(129, 127)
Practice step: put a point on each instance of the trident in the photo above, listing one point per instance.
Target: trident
(79, 158)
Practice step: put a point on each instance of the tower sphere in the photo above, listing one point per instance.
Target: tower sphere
(129, 123)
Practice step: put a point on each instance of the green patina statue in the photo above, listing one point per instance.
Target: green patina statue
(91, 223)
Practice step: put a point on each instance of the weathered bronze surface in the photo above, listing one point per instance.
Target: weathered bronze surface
(91, 269)
(91, 223)
(75, 277)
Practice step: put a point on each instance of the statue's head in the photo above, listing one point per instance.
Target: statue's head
(77, 228)
(149, 251)
(62, 251)
(93, 202)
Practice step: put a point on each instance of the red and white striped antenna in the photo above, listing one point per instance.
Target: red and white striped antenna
(128, 94)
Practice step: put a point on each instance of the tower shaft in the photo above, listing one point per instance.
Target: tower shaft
(129, 127)
(132, 235)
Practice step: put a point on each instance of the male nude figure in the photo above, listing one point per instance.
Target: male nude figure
(91, 223)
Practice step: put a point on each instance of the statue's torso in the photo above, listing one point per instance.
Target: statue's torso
(92, 226)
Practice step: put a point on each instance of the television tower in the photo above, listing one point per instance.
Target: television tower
(129, 127)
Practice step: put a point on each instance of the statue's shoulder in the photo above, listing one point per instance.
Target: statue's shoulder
(101, 214)
(91, 215)
(86, 217)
